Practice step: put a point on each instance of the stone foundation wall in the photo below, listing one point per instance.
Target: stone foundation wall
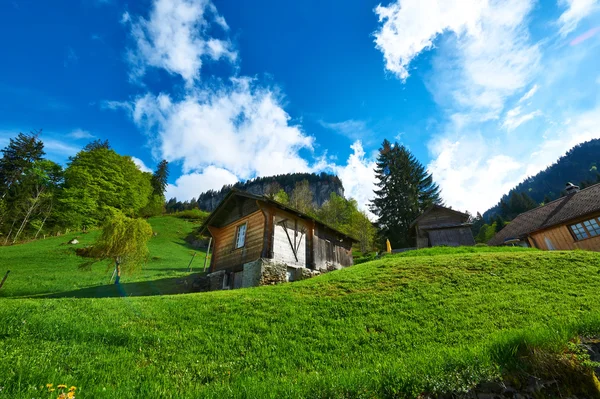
(272, 272)
(257, 273)
(252, 274)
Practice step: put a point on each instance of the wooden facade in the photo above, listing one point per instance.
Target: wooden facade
(442, 226)
(272, 231)
(562, 238)
(567, 223)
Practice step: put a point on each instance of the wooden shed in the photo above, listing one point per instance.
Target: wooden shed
(570, 222)
(259, 241)
(439, 225)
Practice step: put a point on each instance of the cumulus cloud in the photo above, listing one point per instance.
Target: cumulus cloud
(486, 54)
(358, 177)
(472, 182)
(190, 185)
(241, 127)
(141, 165)
(575, 11)
(175, 38)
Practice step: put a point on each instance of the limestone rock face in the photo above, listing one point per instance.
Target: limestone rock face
(321, 190)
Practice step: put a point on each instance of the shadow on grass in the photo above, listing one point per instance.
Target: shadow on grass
(165, 286)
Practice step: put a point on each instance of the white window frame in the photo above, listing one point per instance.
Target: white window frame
(236, 242)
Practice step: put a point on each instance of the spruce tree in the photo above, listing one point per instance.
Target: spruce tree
(405, 190)
(160, 178)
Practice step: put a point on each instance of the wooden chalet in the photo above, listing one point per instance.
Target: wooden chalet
(259, 241)
(439, 225)
(570, 222)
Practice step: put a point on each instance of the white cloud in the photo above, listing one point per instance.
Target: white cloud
(576, 10)
(472, 182)
(529, 94)
(141, 165)
(175, 38)
(576, 130)
(191, 185)
(81, 134)
(514, 118)
(358, 177)
(241, 127)
(484, 60)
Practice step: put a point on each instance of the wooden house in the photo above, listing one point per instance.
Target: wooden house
(570, 222)
(439, 225)
(259, 241)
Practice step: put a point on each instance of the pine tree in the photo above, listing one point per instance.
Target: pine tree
(405, 190)
(160, 178)
(500, 223)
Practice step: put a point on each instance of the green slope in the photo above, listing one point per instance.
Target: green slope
(51, 265)
(388, 328)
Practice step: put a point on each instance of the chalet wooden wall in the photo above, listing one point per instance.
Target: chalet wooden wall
(225, 256)
(329, 250)
(561, 239)
(451, 236)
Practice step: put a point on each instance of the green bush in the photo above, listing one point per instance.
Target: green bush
(192, 214)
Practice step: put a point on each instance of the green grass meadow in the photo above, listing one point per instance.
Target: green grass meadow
(50, 266)
(409, 323)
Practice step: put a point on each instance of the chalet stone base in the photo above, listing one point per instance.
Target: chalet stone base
(254, 274)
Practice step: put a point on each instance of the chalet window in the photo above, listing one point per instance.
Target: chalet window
(240, 236)
(586, 229)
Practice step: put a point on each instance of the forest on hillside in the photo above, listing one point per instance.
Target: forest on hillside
(578, 166)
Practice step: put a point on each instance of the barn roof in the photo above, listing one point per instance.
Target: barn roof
(554, 213)
(465, 216)
(238, 193)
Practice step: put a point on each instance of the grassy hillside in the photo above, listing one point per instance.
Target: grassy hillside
(395, 327)
(51, 265)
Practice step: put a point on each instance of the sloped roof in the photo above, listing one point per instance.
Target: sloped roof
(235, 192)
(554, 213)
(436, 207)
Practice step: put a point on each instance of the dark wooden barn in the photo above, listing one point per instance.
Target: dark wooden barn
(259, 241)
(439, 225)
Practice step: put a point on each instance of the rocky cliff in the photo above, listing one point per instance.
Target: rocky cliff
(321, 185)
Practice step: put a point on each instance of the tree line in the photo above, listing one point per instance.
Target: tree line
(39, 197)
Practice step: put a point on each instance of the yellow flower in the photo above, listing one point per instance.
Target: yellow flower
(61, 386)
(71, 395)
(51, 390)
(72, 388)
(61, 396)
(49, 385)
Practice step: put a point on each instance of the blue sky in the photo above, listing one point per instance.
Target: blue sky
(484, 93)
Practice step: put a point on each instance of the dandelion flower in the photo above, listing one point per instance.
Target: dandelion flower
(61, 386)
(71, 395)
(72, 388)
(49, 385)
(51, 390)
